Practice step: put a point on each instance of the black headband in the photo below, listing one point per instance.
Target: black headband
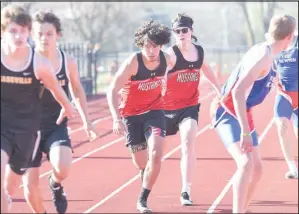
(181, 24)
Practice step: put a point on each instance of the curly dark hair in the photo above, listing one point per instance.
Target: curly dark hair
(47, 17)
(153, 31)
(182, 17)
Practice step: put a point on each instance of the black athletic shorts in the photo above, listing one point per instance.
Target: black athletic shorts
(175, 117)
(141, 127)
(20, 147)
(57, 135)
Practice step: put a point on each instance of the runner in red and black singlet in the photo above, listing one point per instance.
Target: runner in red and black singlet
(22, 69)
(140, 80)
(181, 99)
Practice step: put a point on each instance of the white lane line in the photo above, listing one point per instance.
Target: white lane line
(138, 175)
(110, 143)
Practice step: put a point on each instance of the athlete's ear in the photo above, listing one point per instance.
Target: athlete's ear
(59, 35)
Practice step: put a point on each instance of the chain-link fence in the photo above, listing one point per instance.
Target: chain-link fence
(97, 68)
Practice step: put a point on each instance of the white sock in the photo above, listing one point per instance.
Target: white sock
(292, 166)
(186, 187)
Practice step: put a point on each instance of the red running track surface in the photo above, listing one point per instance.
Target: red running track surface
(104, 180)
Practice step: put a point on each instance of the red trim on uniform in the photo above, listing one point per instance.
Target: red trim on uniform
(291, 96)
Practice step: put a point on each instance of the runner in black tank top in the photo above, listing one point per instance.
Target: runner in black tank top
(21, 70)
(55, 141)
(140, 80)
(181, 100)
(20, 113)
(51, 133)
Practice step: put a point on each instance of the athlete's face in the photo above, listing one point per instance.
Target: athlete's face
(45, 36)
(183, 35)
(16, 36)
(151, 51)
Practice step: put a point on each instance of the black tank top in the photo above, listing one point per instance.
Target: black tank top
(20, 98)
(143, 73)
(50, 107)
(182, 64)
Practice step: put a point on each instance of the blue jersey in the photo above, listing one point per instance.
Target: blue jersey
(287, 68)
(256, 93)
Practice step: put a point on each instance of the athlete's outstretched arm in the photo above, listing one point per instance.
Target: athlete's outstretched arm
(170, 60)
(246, 80)
(126, 70)
(79, 96)
(44, 72)
(208, 73)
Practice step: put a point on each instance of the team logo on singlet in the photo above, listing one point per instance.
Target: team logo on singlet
(62, 82)
(287, 58)
(16, 80)
(188, 76)
(146, 86)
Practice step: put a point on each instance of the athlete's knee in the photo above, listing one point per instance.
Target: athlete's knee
(61, 161)
(245, 163)
(31, 181)
(187, 147)
(258, 170)
(62, 171)
(139, 155)
(140, 162)
(282, 125)
(30, 189)
(155, 155)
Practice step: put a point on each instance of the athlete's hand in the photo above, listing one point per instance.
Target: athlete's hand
(246, 143)
(118, 127)
(91, 131)
(65, 112)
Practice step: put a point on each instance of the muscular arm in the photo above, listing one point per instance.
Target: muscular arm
(77, 91)
(245, 81)
(207, 72)
(126, 70)
(45, 73)
(170, 60)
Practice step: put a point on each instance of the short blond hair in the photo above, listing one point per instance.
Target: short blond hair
(281, 26)
(17, 14)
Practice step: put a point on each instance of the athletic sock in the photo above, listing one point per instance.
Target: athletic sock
(53, 184)
(144, 194)
(292, 166)
(186, 187)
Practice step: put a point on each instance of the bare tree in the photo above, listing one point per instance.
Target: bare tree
(268, 9)
(26, 5)
(98, 21)
(248, 22)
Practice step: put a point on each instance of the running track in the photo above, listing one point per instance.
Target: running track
(104, 180)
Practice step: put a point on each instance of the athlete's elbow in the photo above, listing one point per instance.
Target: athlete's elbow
(111, 91)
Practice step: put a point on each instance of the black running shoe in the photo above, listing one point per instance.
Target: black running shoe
(185, 199)
(59, 198)
(142, 207)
